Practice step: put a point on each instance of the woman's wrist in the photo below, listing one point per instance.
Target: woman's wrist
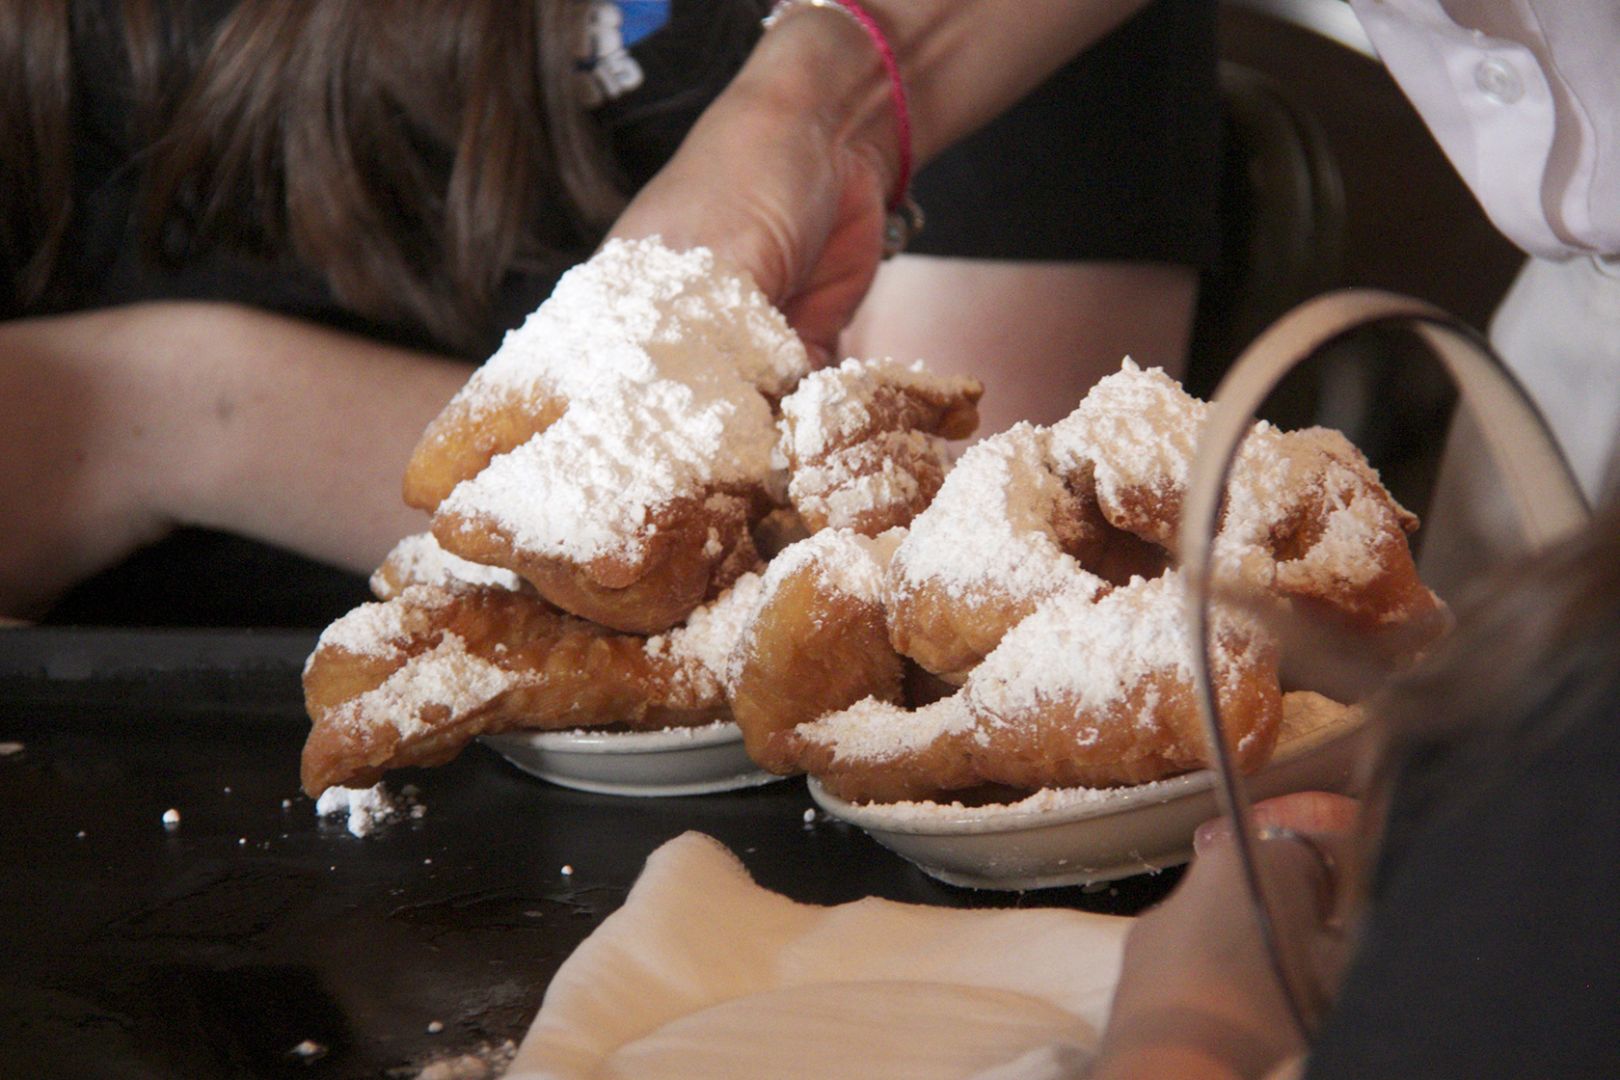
(818, 65)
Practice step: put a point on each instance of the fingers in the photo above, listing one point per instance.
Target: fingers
(1306, 860)
(1198, 984)
(1309, 811)
(1317, 826)
(1318, 813)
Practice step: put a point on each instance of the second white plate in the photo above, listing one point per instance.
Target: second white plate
(1077, 836)
(672, 761)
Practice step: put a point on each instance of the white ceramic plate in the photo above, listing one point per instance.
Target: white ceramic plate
(673, 761)
(1081, 835)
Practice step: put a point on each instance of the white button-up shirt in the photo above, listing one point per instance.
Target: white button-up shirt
(1524, 97)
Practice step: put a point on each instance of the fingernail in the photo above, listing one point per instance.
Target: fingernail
(1210, 832)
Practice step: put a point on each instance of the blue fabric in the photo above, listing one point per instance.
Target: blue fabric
(641, 18)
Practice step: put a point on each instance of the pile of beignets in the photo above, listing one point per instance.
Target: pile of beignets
(648, 512)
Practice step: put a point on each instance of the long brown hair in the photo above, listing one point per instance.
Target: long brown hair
(36, 166)
(413, 153)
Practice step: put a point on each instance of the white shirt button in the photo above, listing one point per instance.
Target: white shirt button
(1498, 81)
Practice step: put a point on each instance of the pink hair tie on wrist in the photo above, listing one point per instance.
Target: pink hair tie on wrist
(905, 217)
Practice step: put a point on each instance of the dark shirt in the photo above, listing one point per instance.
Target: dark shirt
(1115, 157)
(1493, 946)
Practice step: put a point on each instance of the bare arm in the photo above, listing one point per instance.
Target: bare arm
(1038, 334)
(123, 423)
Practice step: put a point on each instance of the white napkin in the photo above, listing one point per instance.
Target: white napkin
(703, 974)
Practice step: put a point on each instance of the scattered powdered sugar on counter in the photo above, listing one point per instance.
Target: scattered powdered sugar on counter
(308, 1051)
(481, 1063)
(368, 809)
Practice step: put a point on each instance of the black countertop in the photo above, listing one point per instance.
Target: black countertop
(216, 947)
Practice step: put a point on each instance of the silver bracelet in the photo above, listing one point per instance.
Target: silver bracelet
(782, 7)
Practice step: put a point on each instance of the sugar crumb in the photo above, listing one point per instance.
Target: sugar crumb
(366, 809)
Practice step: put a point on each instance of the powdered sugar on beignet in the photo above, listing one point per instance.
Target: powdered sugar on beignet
(993, 543)
(864, 443)
(655, 373)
